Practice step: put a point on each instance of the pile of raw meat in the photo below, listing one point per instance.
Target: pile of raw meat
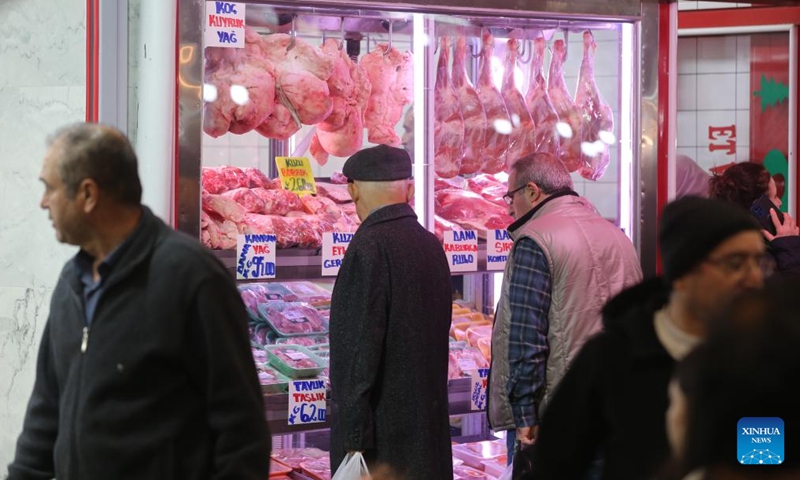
(470, 204)
(485, 129)
(278, 83)
(245, 201)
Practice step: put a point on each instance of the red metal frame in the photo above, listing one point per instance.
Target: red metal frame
(92, 59)
(665, 32)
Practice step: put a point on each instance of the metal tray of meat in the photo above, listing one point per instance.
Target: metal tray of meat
(295, 361)
(290, 319)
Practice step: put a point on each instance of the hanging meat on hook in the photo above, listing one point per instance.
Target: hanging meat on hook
(542, 111)
(448, 126)
(597, 119)
(472, 111)
(342, 133)
(569, 116)
(239, 88)
(301, 73)
(498, 122)
(521, 140)
(390, 74)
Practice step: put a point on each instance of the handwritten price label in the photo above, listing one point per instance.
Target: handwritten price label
(255, 256)
(480, 381)
(295, 174)
(224, 24)
(307, 402)
(461, 249)
(498, 246)
(334, 246)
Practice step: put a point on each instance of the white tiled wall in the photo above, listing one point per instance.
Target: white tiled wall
(713, 91)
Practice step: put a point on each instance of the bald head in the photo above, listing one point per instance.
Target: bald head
(101, 153)
(369, 196)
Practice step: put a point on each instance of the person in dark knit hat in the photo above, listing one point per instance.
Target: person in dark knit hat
(613, 399)
(389, 328)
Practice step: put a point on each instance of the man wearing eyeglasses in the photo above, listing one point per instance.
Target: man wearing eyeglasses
(566, 262)
(614, 397)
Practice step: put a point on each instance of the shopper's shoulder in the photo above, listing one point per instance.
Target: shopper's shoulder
(176, 250)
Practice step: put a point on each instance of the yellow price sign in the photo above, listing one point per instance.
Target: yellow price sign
(295, 174)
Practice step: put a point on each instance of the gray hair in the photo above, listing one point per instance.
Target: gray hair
(99, 152)
(543, 169)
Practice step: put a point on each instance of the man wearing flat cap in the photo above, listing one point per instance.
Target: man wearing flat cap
(614, 397)
(389, 326)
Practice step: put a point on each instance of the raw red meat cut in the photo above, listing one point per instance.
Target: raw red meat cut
(209, 231)
(223, 207)
(338, 178)
(448, 124)
(239, 68)
(342, 133)
(337, 193)
(542, 111)
(293, 457)
(489, 188)
(278, 201)
(228, 234)
(222, 179)
(280, 125)
(521, 139)
(597, 119)
(315, 148)
(470, 210)
(568, 114)
(301, 73)
(441, 225)
(299, 230)
(245, 197)
(390, 74)
(293, 318)
(472, 111)
(498, 121)
(294, 358)
(257, 178)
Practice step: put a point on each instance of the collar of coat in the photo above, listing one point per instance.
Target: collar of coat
(139, 246)
(631, 313)
(525, 218)
(389, 213)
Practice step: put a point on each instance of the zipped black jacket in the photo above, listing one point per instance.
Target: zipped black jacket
(161, 386)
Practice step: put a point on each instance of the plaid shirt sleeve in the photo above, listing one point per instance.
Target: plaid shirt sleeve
(529, 298)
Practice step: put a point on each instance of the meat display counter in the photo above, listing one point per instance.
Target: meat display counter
(466, 89)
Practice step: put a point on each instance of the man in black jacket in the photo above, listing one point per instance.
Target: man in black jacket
(390, 318)
(144, 369)
(613, 399)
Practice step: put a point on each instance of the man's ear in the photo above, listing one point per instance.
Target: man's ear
(89, 194)
(410, 192)
(536, 192)
(352, 189)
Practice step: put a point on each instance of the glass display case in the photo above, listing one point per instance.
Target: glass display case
(466, 91)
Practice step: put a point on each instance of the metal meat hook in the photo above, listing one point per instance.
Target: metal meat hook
(293, 33)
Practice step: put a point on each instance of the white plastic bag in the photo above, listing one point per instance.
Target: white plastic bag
(506, 475)
(353, 467)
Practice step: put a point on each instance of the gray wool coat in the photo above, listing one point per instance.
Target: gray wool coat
(390, 318)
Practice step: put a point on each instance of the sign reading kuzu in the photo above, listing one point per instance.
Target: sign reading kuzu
(334, 246)
(461, 249)
(295, 174)
(224, 24)
(255, 256)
